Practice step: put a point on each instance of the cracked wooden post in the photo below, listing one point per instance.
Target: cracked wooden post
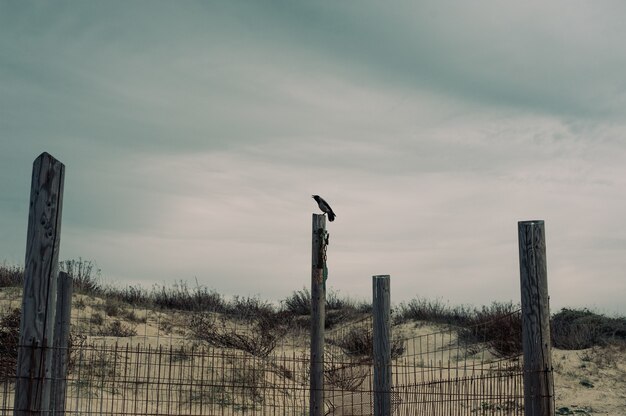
(318, 303)
(538, 381)
(34, 360)
(381, 308)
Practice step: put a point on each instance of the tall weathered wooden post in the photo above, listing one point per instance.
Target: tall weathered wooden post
(34, 361)
(538, 381)
(381, 307)
(318, 313)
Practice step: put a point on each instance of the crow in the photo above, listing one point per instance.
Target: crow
(326, 209)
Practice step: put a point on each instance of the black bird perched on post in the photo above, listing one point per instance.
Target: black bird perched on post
(326, 209)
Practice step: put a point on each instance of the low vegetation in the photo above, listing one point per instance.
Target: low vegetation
(199, 319)
(9, 339)
(576, 329)
(498, 325)
(360, 343)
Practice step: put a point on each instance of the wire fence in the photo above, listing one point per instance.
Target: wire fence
(459, 371)
(131, 361)
(436, 371)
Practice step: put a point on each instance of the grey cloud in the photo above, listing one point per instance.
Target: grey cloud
(194, 135)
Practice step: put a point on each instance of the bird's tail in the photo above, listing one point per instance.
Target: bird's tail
(331, 216)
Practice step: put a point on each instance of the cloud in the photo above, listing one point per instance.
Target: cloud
(194, 136)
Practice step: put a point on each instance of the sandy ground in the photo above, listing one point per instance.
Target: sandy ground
(179, 374)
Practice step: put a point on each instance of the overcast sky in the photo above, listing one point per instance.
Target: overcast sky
(195, 133)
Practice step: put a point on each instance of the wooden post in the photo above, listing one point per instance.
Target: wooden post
(318, 312)
(60, 355)
(382, 345)
(34, 361)
(538, 381)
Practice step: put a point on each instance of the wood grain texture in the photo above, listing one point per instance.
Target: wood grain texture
(318, 313)
(381, 309)
(32, 393)
(60, 357)
(538, 382)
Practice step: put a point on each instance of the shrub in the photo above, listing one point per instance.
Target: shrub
(259, 339)
(499, 326)
(9, 340)
(435, 311)
(574, 329)
(112, 307)
(248, 308)
(96, 319)
(85, 276)
(180, 297)
(360, 343)
(133, 295)
(11, 276)
(298, 303)
(117, 329)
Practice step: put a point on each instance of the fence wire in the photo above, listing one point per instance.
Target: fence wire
(132, 361)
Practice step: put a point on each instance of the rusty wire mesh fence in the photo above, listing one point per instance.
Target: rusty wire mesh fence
(128, 360)
(436, 370)
(471, 370)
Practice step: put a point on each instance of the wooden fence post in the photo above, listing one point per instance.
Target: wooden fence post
(538, 381)
(60, 355)
(382, 345)
(34, 361)
(318, 304)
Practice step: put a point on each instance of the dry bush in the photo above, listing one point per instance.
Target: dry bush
(435, 311)
(116, 329)
(299, 303)
(11, 276)
(347, 376)
(96, 319)
(247, 307)
(259, 337)
(9, 340)
(112, 307)
(499, 326)
(132, 295)
(76, 344)
(180, 296)
(574, 329)
(360, 343)
(85, 276)
(609, 356)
